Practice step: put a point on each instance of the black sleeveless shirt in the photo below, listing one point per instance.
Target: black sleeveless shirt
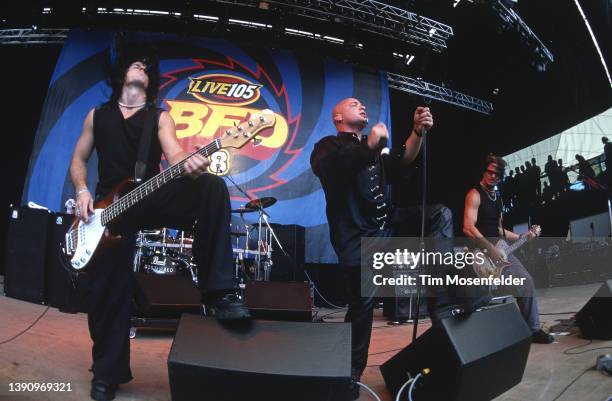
(116, 140)
(489, 213)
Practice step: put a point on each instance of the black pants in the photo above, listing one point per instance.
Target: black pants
(439, 224)
(179, 204)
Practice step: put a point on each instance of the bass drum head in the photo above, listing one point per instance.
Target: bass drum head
(166, 264)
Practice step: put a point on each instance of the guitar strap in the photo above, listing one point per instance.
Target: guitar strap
(148, 130)
(500, 207)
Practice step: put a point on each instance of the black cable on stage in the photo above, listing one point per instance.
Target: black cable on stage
(566, 352)
(329, 314)
(557, 313)
(28, 328)
(570, 383)
(334, 306)
(589, 342)
(385, 352)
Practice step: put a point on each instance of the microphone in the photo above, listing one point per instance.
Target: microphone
(384, 149)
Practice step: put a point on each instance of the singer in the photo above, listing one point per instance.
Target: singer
(356, 172)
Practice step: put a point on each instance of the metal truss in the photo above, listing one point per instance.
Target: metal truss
(512, 19)
(369, 15)
(432, 91)
(33, 36)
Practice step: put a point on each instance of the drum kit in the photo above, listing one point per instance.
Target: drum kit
(168, 251)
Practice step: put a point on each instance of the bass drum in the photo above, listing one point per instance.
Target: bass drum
(166, 264)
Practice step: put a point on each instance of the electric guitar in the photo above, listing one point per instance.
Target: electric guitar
(490, 268)
(82, 239)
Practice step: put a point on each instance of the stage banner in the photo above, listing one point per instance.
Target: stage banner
(208, 85)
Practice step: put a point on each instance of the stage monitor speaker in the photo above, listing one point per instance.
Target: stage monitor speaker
(260, 360)
(279, 300)
(160, 296)
(26, 254)
(471, 357)
(595, 318)
(288, 268)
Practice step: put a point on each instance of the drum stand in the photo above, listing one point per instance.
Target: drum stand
(266, 243)
(261, 274)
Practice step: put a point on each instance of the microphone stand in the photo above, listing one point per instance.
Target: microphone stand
(423, 206)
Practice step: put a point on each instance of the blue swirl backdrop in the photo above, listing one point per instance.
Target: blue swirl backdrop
(300, 88)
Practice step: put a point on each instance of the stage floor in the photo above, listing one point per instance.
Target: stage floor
(58, 347)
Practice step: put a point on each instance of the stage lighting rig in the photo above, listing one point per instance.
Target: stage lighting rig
(512, 21)
(422, 88)
(370, 16)
(28, 36)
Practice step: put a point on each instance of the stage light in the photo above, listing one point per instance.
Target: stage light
(432, 31)
(456, 3)
(409, 59)
(34, 27)
(263, 5)
(496, 91)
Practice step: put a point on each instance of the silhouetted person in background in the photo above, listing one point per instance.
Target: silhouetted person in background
(547, 193)
(585, 172)
(551, 168)
(563, 178)
(529, 186)
(537, 171)
(518, 187)
(508, 190)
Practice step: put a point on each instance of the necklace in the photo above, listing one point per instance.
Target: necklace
(131, 106)
(486, 191)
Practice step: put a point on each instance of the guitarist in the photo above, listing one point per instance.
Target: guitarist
(482, 221)
(114, 130)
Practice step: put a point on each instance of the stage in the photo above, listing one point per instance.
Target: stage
(57, 349)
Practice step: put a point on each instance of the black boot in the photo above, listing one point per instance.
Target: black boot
(542, 337)
(102, 391)
(228, 307)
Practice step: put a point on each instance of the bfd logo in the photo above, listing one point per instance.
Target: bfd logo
(223, 100)
(224, 89)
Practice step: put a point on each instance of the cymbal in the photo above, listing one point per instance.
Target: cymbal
(262, 202)
(243, 210)
(151, 232)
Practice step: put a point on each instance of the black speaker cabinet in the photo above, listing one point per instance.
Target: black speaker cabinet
(595, 318)
(279, 300)
(398, 309)
(472, 357)
(260, 360)
(160, 296)
(291, 267)
(26, 254)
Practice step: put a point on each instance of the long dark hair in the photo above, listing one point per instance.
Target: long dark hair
(125, 53)
(498, 161)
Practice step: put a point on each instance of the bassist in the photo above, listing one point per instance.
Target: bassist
(482, 222)
(114, 130)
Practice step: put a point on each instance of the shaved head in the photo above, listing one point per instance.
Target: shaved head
(349, 115)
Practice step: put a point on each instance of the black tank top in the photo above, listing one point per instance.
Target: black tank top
(116, 140)
(489, 213)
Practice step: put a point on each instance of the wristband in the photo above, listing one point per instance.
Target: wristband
(80, 191)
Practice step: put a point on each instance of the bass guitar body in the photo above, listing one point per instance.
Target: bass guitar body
(82, 239)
